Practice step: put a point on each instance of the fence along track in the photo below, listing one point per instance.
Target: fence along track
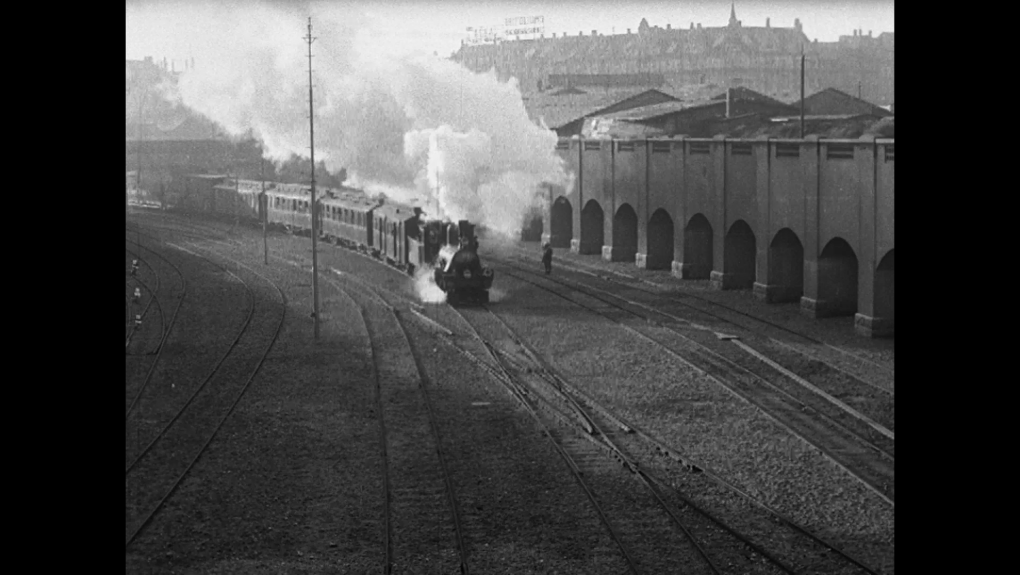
(276, 334)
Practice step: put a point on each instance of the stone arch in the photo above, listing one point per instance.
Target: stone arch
(837, 279)
(739, 256)
(533, 227)
(561, 228)
(884, 287)
(697, 248)
(786, 267)
(624, 234)
(660, 241)
(592, 228)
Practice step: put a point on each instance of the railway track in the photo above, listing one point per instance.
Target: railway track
(861, 457)
(422, 486)
(197, 424)
(865, 419)
(804, 551)
(166, 328)
(151, 299)
(822, 355)
(508, 363)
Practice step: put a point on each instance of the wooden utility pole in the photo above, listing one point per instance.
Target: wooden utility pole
(315, 231)
(264, 209)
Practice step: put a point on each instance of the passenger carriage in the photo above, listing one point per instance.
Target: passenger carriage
(289, 208)
(392, 225)
(346, 219)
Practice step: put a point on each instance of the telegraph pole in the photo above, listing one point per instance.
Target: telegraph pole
(264, 208)
(315, 231)
(138, 178)
(237, 194)
(802, 91)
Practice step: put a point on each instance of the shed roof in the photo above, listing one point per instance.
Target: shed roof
(558, 111)
(831, 101)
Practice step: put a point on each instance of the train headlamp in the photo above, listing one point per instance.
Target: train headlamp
(467, 274)
(138, 294)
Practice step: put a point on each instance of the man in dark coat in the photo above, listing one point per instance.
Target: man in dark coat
(547, 258)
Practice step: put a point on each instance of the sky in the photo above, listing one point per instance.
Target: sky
(172, 28)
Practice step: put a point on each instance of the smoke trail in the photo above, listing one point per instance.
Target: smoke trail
(417, 128)
(426, 288)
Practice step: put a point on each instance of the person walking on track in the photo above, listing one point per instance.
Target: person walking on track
(547, 258)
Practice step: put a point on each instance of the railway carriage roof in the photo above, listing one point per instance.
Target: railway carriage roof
(396, 212)
(358, 204)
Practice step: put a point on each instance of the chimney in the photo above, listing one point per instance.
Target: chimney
(767, 24)
(628, 30)
(796, 24)
(727, 102)
(594, 32)
(554, 34)
(669, 26)
(699, 25)
(855, 33)
(869, 33)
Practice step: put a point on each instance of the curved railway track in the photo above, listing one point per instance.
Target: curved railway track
(212, 373)
(213, 404)
(166, 329)
(622, 437)
(152, 300)
(748, 360)
(814, 548)
(391, 397)
(823, 355)
(500, 372)
(872, 465)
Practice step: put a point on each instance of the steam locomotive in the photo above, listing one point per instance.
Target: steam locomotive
(399, 234)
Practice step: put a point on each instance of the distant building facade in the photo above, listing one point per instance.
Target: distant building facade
(765, 59)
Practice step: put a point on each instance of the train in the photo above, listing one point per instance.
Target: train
(400, 235)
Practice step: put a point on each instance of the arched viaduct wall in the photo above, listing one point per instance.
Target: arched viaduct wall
(796, 220)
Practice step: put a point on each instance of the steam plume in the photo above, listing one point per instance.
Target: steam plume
(418, 128)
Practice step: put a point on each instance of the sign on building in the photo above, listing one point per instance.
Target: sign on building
(511, 28)
(523, 25)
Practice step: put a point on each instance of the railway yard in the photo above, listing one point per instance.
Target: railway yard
(601, 419)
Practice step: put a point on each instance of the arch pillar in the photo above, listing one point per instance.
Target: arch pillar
(875, 308)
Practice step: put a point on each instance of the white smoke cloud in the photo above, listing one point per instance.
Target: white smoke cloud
(413, 126)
